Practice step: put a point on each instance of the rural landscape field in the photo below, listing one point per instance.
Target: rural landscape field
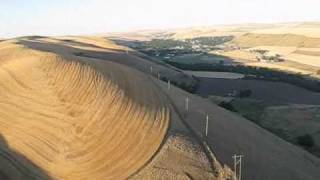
(88, 93)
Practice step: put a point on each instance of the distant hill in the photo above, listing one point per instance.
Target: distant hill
(289, 40)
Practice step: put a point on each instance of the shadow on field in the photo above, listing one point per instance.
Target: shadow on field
(114, 55)
(14, 165)
(133, 60)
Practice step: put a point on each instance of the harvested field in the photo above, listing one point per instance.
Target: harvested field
(85, 116)
(295, 61)
(297, 48)
(309, 29)
(287, 66)
(252, 40)
(308, 52)
(241, 56)
(305, 59)
(74, 120)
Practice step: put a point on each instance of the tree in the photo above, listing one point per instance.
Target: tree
(228, 106)
(305, 141)
(245, 93)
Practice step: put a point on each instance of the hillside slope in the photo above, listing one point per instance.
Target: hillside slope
(266, 156)
(71, 86)
(291, 40)
(73, 109)
(73, 120)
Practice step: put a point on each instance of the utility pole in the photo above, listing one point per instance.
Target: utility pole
(235, 166)
(237, 163)
(240, 163)
(187, 104)
(207, 124)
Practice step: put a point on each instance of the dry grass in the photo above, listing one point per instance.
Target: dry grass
(181, 158)
(281, 66)
(291, 40)
(305, 59)
(305, 29)
(308, 52)
(294, 62)
(241, 56)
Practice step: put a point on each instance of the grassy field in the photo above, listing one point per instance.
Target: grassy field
(220, 75)
(250, 108)
(289, 122)
(268, 91)
(201, 58)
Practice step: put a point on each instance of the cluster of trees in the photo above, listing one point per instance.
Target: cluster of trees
(245, 93)
(228, 106)
(275, 57)
(167, 44)
(160, 44)
(260, 51)
(305, 141)
(167, 52)
(191, 87)
(255, 73)
(241, 94)
(211, 41)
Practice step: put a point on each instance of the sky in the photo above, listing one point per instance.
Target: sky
(83, 17)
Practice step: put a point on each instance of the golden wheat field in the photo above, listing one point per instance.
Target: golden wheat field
(73, 121)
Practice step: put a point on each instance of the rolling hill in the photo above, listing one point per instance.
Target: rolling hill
(85, 108)
(70, 117)
(75, 121)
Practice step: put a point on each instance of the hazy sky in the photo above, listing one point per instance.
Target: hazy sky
(65, 17)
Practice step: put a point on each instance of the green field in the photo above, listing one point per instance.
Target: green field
(200, 58)
(290, 122)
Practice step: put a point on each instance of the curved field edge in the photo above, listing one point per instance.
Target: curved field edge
(75, 121)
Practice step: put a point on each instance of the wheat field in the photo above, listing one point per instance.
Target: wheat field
(74, 120)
